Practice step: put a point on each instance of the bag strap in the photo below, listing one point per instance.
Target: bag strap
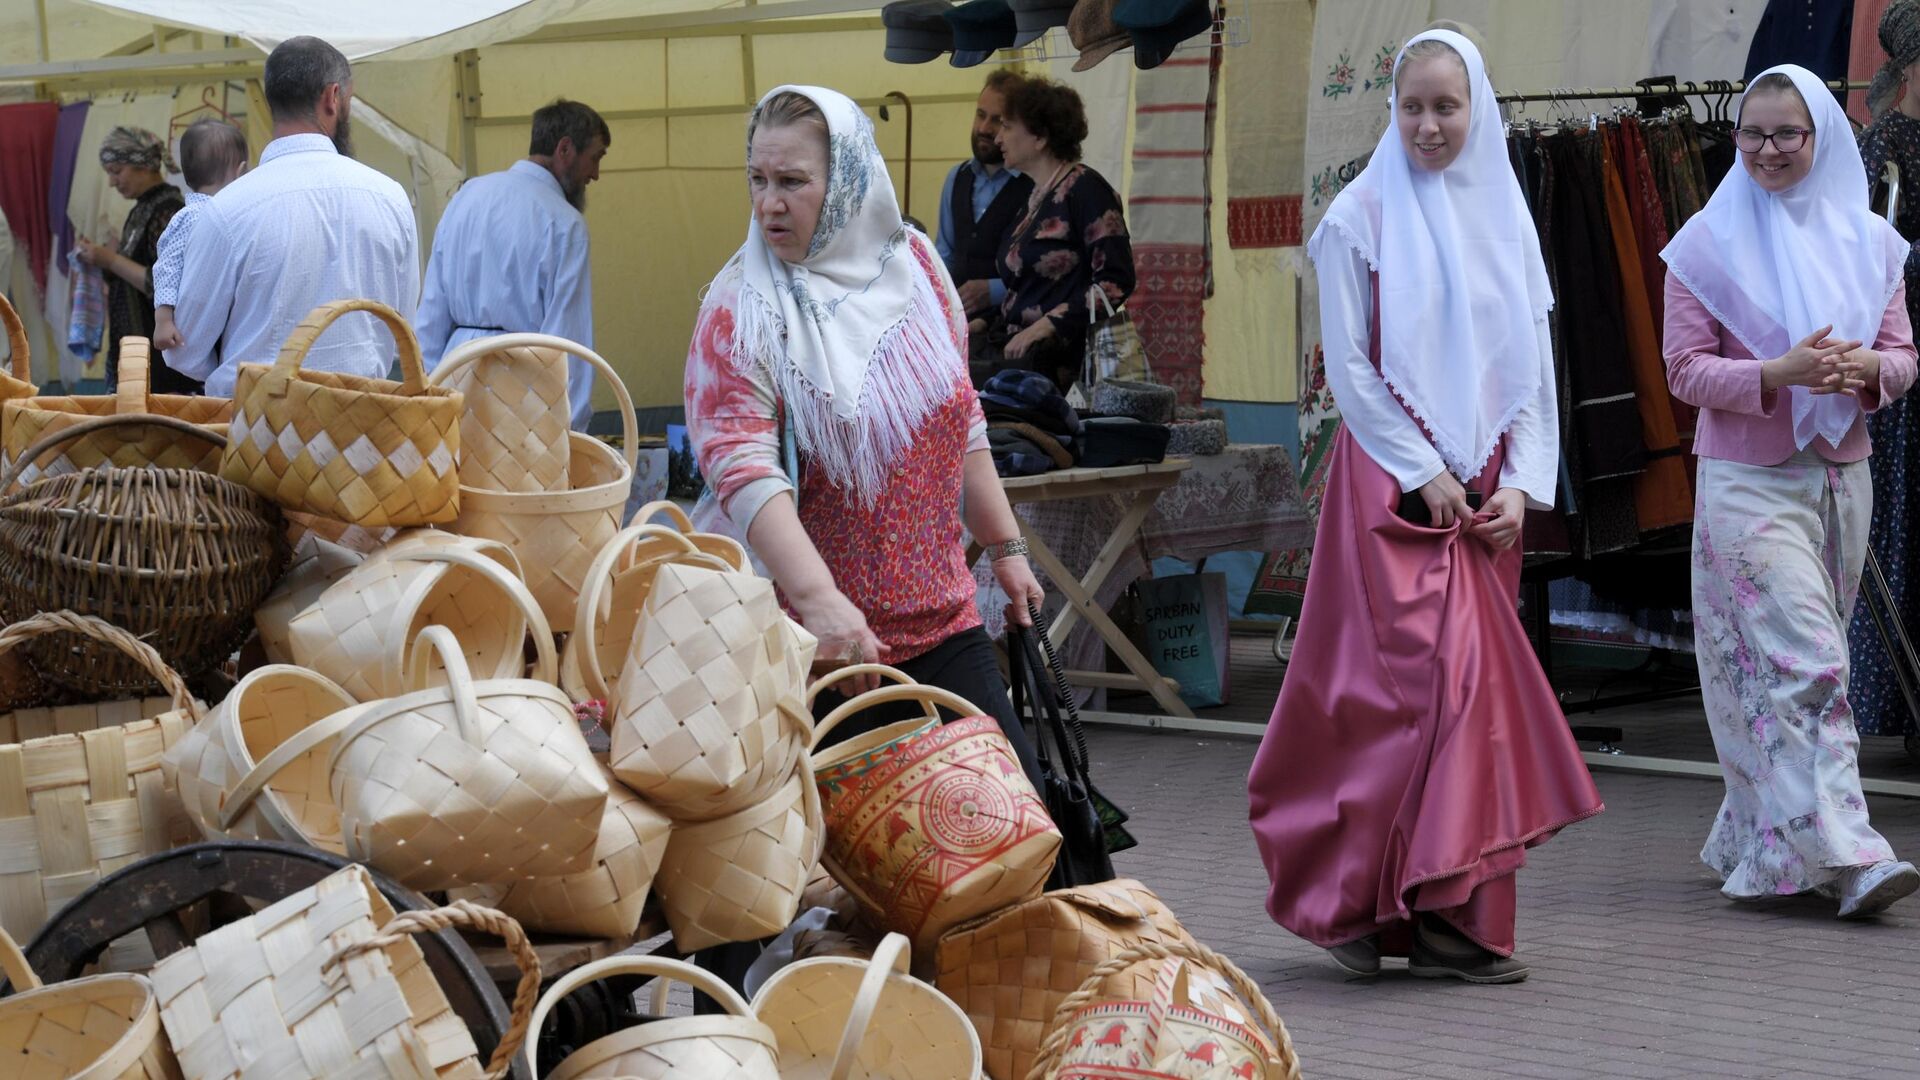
(1062, 690)
(1045, 707)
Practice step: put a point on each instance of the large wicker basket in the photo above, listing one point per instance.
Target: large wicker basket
(328, 983)
(176, 556)
(513, 434)
(29, 420)
(740, 878)
(18, 381)
(257, 769)
(557, 533)
(358, 450)
(733, 1046)
(469, 783)
(101, 1027)
(834, 1018)
(81, 791)
(608, 614)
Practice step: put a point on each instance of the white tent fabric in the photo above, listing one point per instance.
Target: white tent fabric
(413, 30)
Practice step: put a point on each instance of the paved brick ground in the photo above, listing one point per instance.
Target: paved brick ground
(1640, 968)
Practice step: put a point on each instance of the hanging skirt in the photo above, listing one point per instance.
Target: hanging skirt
(1417, 750)
(1777, 556)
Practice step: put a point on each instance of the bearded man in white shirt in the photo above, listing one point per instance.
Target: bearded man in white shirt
(510, 253)
(308, 226)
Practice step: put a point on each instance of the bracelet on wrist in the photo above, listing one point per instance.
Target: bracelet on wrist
(1015, 546)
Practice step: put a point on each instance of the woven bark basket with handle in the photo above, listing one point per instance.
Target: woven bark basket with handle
(740, 878)
(556, 533)
(100, 1027)
(17, 380)
(257, 768)
(358, 450)
(474, 782)
(730, 1046)
(513, 434)
(359, 628)
(178, 557)
(608, 614)
(938, 824)
(329, 983)
(1165, 1036)
(607, 899)
(81, 789)
(28, 420)
(709, 716)
(835, 1019)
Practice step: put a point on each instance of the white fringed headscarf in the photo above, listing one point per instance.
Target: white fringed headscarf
(853, 336)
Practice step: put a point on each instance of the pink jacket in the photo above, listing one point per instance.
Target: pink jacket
(1708, 367)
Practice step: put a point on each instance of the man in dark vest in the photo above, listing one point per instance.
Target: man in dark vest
(980, 204)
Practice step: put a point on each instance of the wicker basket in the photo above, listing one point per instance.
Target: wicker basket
(102, 1027)
(81, 791)
(608, 898)
(18, 381)
(724, 548)
(1011, 970)
(740, 878)
(937, 825)
(315, 566)
(358, 450)
(470, 783)
(266, 996)
(708, 715)
(257, 769)
(557, 533)
(513, 434)
(608, 615)
(29, 420)
(848, 767)
(178, 557)
(1164, 1036)
(735, 1046)
(359, 629)
(835, 1018)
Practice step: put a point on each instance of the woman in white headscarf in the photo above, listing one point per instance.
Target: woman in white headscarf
(1774, 291)
(1417, 751)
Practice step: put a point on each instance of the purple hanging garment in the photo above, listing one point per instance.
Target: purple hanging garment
(66, 154)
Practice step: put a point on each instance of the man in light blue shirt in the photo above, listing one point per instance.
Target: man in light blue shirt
(309, 226)
(510, 254)
(980, 203)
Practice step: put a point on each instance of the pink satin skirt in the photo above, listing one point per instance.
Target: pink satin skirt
(1417, 749)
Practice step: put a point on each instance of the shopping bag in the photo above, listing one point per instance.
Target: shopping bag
(1183, 620)
(1114, 349)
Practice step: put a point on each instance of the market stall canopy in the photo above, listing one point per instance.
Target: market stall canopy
(416, 29)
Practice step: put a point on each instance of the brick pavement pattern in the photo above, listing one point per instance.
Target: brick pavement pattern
(1640, 967)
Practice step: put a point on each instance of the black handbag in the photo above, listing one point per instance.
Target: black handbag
(1092, 827)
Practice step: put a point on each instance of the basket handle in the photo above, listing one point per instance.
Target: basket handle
(735, 552)
(54, 622)
(294, 351)
(466, 704)
(13, 964)
(840, 675)
(889, 958)
(290, 749)
(1048, 1057)
(87, 427)
(927, 695)
(17, 341)
(136, 358)
(659, 966)
(470, 351)
(585, 643)
(546, 666)
(465, 914)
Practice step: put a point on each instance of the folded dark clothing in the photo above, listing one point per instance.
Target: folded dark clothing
(1120, 440)
(1042, 442)
(1032, 391)
(1054, 423)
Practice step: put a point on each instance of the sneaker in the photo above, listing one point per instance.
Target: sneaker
(1443, 954)
(1867, 891)
(1361, 957)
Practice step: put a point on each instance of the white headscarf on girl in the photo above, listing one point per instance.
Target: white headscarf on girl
(1462, 286)
(854, 335)
(1773, 268)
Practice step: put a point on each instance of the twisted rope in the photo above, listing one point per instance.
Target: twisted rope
(53, 622)
(469, 915)
(1051, 1048)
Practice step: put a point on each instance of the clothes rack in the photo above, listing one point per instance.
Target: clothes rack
(1712, 88)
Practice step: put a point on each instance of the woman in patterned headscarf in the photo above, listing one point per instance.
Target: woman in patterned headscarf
(135, 160)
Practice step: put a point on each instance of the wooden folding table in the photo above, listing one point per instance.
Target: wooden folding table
(1144, 483)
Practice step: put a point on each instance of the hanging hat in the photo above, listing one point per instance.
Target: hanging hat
(917, 30)
(1092, 30)
(980, 27)
(1032, 18)
(1156, 27)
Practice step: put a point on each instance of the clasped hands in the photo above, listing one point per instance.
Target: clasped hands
(1823, 365)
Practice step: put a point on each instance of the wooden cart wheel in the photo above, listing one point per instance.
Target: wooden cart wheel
(175, 896)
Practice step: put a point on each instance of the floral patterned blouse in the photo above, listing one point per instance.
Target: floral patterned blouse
(900, 560)
(1077, 238)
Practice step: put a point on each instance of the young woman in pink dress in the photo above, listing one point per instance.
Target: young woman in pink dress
(1417, 750)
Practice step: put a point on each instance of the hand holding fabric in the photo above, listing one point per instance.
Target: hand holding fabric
(1446, 501)
(1498, 522)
